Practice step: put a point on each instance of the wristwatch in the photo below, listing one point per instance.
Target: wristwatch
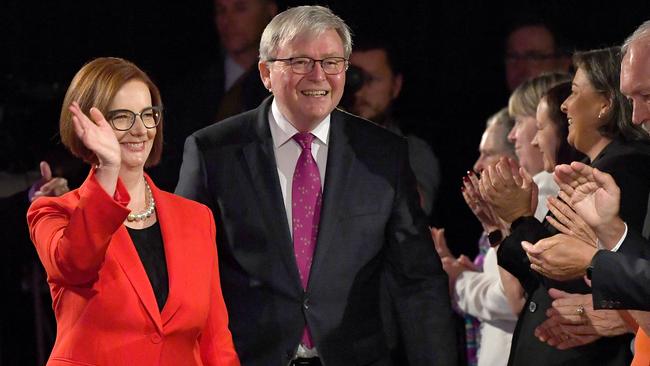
(589, 270)
(495, 237)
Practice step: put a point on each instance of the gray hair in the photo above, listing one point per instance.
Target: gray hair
(302, 20)
(641, 32)
(505, 122)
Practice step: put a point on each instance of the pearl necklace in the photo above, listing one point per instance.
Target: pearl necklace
(148, 211)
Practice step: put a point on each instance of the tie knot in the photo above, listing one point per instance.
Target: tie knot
(304, 139)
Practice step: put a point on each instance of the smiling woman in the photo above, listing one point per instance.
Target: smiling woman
(123, 257)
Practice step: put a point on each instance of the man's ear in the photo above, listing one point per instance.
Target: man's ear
(265, 74)
(397, 85)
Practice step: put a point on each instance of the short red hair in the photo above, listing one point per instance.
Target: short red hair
(95, 85)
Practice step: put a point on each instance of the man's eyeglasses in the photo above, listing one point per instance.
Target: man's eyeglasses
(124, 119)
(530, 56)
(304, 65)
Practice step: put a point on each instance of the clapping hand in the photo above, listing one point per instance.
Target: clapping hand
(567, 221)
(509, 189)
(593, 194)
(560, 257)
(579, 323)
(480, 208)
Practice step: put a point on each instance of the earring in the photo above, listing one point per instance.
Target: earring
(600, 114)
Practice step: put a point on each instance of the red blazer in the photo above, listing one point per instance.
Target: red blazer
(105, 308)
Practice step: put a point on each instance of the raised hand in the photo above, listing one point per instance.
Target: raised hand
(509, 189)
(567, 221)
(440, 242)
(47, 185)
(98, 137)
(560, 257)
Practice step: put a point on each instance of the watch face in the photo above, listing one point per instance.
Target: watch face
(495, 237)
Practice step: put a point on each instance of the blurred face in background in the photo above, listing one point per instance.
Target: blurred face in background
(521, 135)
(531, 51)
(380, 87)
(547, 137)
(240, 23)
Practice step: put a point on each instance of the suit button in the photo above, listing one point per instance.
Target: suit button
(305, 303)
(156, 338)
(532, 307)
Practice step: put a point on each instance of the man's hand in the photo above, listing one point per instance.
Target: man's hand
(560, 257)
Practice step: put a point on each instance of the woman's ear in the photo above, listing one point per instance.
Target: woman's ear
(605, 107)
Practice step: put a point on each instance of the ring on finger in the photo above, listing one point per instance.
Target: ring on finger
(580, 310)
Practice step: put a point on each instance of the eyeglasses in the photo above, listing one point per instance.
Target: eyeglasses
(530, 56)
(304, 65)
(124, 119)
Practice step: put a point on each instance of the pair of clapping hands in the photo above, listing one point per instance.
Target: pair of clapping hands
(588, 199)
(591, 201)
(508, 192)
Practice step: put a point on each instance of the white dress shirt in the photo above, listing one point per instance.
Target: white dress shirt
(547, 187)
(287, 151)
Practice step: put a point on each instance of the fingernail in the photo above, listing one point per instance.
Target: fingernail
(465, 178)
(462, 189)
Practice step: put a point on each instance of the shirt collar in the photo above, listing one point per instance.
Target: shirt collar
(282, 130)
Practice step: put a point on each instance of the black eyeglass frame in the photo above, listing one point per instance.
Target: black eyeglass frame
(156, 109)
(312, 62)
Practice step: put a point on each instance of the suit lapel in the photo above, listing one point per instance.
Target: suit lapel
(339, 163)
(260, 159)
(128, 258)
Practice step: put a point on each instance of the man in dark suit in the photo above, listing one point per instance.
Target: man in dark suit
(314, 205)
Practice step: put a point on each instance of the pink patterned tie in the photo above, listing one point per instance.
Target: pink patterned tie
(306, 203)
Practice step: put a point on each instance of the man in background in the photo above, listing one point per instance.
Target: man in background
(380, 85)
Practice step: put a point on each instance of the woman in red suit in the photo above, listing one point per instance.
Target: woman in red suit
(132, 270)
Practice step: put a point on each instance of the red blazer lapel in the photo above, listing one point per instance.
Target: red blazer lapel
(170, 219)
(124, 252)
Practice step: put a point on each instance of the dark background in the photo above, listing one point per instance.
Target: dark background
(452, 52)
